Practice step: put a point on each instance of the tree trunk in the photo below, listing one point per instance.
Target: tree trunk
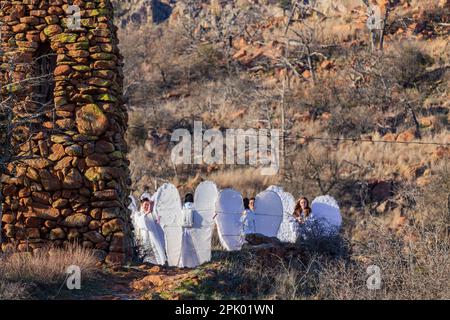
(416, 122)
(310, 66)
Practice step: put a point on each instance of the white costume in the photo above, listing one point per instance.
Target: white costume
(268, 213)
(133, 207)
(188, 230)
(150, 235)
(168, 208)
(325, 218)
(189, 257)
(229, 207)
(247, 224)
(290, 228)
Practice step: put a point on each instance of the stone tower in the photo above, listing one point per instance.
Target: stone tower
(67, 179)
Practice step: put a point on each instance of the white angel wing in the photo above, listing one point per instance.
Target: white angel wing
(168, 205)
(205, 199)
(325, 211)
(229, 207)
(196, 248)
(289, 228)
(287, 199)
(268, 213)
(168, 208)
(133, 206)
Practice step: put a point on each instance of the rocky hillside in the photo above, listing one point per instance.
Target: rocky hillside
(365, 117)
(135, 13)
(349, 110)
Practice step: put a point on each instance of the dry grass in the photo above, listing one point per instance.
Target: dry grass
(412, 269)
(46, 269)
(387, 159)
(249, 181)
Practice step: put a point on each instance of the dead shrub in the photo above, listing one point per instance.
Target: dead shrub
(406, 65)
(411, 268)
(48, 266)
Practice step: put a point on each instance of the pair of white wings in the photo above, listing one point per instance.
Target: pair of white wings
(268, 216)
(187, 247)
(325, 216)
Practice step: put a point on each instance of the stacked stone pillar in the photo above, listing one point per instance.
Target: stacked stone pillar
(68, 180)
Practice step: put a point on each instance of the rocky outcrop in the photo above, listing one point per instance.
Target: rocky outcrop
(269, 250)
(69, 182)
(141, 12)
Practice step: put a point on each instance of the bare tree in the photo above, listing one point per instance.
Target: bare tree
(379, 81)
(378, 13)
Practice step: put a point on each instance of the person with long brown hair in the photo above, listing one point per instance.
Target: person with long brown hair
(302, 210)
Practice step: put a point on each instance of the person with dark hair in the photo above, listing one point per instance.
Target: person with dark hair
(188, 208)
(251, 204)
(189, 198)
(246, 203)
(247, 220)
(302, 210)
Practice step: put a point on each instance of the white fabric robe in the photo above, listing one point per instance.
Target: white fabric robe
(248, 224)
(188, 258)
(151, 238)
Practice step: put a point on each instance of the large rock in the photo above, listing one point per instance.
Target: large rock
(94, 174)
(110, 213)
(91, 120)
(94, 236)
(108, 194)
(40, 163)
(115, 225)
(74, 150)
(41, 197)
(73, 179)
(49, 180)
(40, 211)
(102, 146)
(77, 220)
(57, 152)
(118, 242)
(406, 136)
(57, 234)
(33, 222)
(64, 163)
(8, 218)
(97, 160)
(62, 70)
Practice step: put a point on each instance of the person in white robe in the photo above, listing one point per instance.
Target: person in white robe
(188, 257)
(247, 220)
(151, 233)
